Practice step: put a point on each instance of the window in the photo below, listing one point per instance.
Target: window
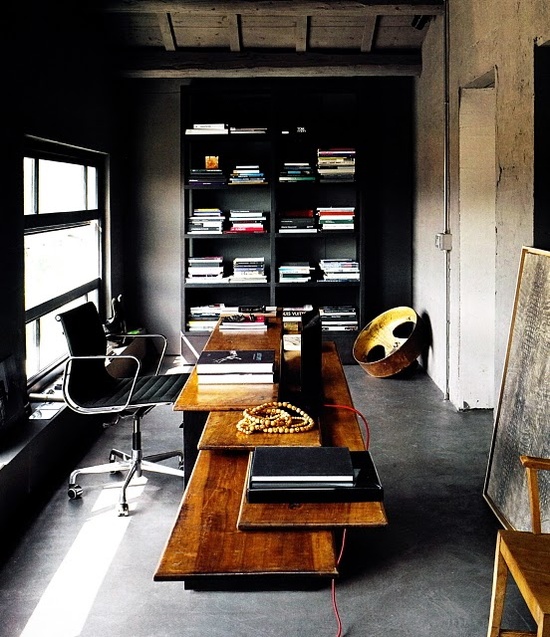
(64, 194)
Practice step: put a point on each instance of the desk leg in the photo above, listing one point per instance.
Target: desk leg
(192, 426)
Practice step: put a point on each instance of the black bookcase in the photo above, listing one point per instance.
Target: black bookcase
(299, 117)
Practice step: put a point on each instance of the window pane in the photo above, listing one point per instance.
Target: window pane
(29, 184)
(61, 186)
(93, 203)
(59, 261)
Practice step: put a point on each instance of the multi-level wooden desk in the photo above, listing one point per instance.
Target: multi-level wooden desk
(218, 538)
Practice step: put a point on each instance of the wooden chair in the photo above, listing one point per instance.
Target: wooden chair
(526, 557)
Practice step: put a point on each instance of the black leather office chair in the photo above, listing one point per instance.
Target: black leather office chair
(88, 388)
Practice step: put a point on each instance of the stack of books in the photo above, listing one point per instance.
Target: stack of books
(207, 129)
(339, 269)
(247, 176)
(336, 218)
(248, 270)
(206, 221)
(237, 323)
(296, 171)
(295, 272)
(336, 164)
(338, 318)
(247, 221)
(236, 367)
(204, 318)
(294, 221)
(205, 270)
(312, 474)
(212, 177)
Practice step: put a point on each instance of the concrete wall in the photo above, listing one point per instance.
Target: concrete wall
(154, 215)
(487, 40)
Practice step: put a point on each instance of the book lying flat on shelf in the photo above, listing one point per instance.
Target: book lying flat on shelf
(365, 488)
(243, 323)
(235, 379)
(301, 465)
(230, 361)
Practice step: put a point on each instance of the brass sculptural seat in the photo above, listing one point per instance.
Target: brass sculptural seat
(390, 343)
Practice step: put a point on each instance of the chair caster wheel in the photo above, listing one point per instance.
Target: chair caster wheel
(75, 492)
(123, 510)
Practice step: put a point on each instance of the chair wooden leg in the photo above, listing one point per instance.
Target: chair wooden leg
(500, 579)
(544, 627)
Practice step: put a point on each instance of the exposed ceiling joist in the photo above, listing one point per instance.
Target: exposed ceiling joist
(167, 32)
(301, 34)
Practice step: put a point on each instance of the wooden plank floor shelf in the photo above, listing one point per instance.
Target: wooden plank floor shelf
(205, 542)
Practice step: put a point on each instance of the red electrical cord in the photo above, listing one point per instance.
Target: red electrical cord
(333, 586)
(356, 411)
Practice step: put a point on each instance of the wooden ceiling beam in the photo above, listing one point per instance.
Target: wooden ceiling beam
(352, 8)
(179, 65)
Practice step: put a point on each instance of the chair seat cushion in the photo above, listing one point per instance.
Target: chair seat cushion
(149, 390)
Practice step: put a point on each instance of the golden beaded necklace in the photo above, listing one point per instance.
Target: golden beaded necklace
(275, 418)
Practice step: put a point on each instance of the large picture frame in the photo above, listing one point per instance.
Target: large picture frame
(522, 417)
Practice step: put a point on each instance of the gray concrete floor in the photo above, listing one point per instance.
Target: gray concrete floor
(80, 571)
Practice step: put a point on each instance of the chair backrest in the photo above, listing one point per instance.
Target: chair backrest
(85, 337)
(533, 466)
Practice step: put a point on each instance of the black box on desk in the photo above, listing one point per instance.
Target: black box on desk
(366, 486)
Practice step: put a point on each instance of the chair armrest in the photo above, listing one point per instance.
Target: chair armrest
(532, 466)
(163, 339)
(95, 410)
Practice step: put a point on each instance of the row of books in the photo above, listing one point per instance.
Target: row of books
(247, 175)
(216, 221)
(210, 269)
(224, 129)
(229, 367)
(326, 218)
(296, 171)
(339, 269)
(203, 318)
(339, 318)
(336, 164)
(334, 318)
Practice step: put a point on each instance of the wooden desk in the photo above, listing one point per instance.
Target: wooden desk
(218, 539)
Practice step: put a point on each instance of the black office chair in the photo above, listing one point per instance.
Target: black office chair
(88, 388)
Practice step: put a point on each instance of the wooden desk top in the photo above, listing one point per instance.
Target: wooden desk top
(220, 433)
(205, 541)
(195, 397)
